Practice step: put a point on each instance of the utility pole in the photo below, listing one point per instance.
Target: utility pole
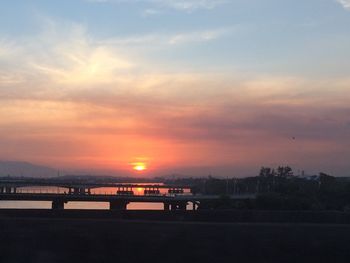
(227, 185)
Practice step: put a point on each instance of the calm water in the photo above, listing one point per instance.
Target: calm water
(83, 205)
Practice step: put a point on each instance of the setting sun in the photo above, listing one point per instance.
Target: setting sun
(139, 166)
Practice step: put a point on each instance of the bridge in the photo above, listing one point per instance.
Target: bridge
(119, 202)
(173, 198)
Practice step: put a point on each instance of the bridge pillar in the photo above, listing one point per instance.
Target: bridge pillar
(182, 206)
(166, 206)
(195, 205)
(178, 206)
(57, 204)
(117, 205)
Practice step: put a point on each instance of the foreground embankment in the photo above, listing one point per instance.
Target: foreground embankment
(233, 216)
(72, 236)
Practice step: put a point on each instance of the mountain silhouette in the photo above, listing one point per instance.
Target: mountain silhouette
(25, 169)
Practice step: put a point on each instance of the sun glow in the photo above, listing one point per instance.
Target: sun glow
(139, 167)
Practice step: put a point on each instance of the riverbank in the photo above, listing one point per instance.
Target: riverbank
(228, 216)
(110, 240)
(69, 237)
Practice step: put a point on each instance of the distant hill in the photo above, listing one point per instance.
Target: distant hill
(25, 169)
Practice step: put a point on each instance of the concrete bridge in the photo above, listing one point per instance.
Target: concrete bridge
(175, 197)
(119, 202)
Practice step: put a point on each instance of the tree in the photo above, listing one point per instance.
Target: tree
(284, 171)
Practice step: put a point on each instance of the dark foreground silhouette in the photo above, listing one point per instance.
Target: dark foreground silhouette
(93, 239)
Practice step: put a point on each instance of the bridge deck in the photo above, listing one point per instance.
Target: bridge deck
(109, 198)
(67, 184)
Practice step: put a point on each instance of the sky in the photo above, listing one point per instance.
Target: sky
(197, 87)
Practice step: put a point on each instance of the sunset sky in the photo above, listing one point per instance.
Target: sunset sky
(195, 87)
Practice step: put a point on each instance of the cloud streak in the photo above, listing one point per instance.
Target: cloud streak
(190, 5)
(71, 61)
(181, 5)
(175, 39)
(344, 3)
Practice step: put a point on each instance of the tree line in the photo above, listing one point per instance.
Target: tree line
(276, 189)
